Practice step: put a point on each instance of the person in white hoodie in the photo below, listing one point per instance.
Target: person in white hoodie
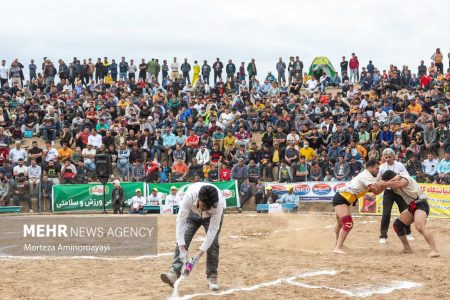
(202, 205)
(202, 155)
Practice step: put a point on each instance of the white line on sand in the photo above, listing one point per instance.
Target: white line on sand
(358, 292)
(13, 257)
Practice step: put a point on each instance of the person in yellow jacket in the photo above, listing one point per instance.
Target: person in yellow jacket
(196, 75)
(348, 195)
(438, 57)
(108, 79)
(307, 152)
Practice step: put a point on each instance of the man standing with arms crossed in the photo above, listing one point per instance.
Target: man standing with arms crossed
(202, 205)
(390, 197)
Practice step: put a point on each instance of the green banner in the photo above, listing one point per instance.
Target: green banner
(228, 188)
(67, 197)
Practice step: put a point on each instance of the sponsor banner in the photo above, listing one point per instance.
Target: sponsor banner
(275, 208)
(438, 199)
(228, 188)
(314, 191)
(68, 197)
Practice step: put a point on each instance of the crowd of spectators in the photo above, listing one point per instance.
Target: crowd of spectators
(169, 122)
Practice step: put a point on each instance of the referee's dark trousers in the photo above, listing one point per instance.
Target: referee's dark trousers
(389, 197)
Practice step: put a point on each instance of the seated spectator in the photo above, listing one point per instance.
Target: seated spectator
(315, 172)
(202, 155)
(444, 170)
(21, 191)
(137, 171)
(64, 153)
(284, 172)
(180, 171)
(430, 166)
(137, 203)
(4, 189)
(154, 198)
(34, 176)
(269, 196)
(68, 172)
(289, 197)
(173, 198)
(342, 170)
(245, 193)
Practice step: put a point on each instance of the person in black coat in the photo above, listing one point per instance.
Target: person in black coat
(117, 197)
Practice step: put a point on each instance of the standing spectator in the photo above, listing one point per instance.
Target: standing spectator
(206, 70)
(123, 165)
(230, 69)
(354, 68)
(123, 69)
(344, 66)
(430, 138)
(117, 197)
(4, 73)
(32, 70)
(185, 69)
(284, 172)
(437, 57)
(281, 69)
(174, 67)
(251, 69)
(217, 67)
(132, 69)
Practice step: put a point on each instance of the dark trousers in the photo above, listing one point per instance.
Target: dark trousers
(193, 223)
(389, 197)
(186, 77)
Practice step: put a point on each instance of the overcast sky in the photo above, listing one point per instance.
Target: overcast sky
(385, 31)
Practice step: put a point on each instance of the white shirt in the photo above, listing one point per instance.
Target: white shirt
(174, 66)
(430, 166)
(86, 151)
(397, 167)
(202, 157)
(4, 70)
(155, 200)
(359, 185)
(412, 191)
(52, 153)
(21, 169)
(172, 199)
(15, 154)
(188, 204)
(95, 140)
(381, 116)
(137, 202)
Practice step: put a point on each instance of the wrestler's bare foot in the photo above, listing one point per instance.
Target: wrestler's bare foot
(407, 250)
(433, 254)
(339, 251)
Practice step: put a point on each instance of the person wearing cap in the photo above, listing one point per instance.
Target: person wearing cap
(202, 205)
(117, 197)
(173, 198)
(154, 198)
(137, 203)
(289, 197)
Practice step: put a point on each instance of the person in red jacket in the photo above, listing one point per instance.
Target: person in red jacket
(4, 153)
(425, 81)
(354, 71)
(225, 173)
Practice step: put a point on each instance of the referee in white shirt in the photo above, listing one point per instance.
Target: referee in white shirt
(389, 197)
(202, 205)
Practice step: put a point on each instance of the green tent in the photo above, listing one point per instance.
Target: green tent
(320, 65)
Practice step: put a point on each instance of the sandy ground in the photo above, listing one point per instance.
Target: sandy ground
(255, 249)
